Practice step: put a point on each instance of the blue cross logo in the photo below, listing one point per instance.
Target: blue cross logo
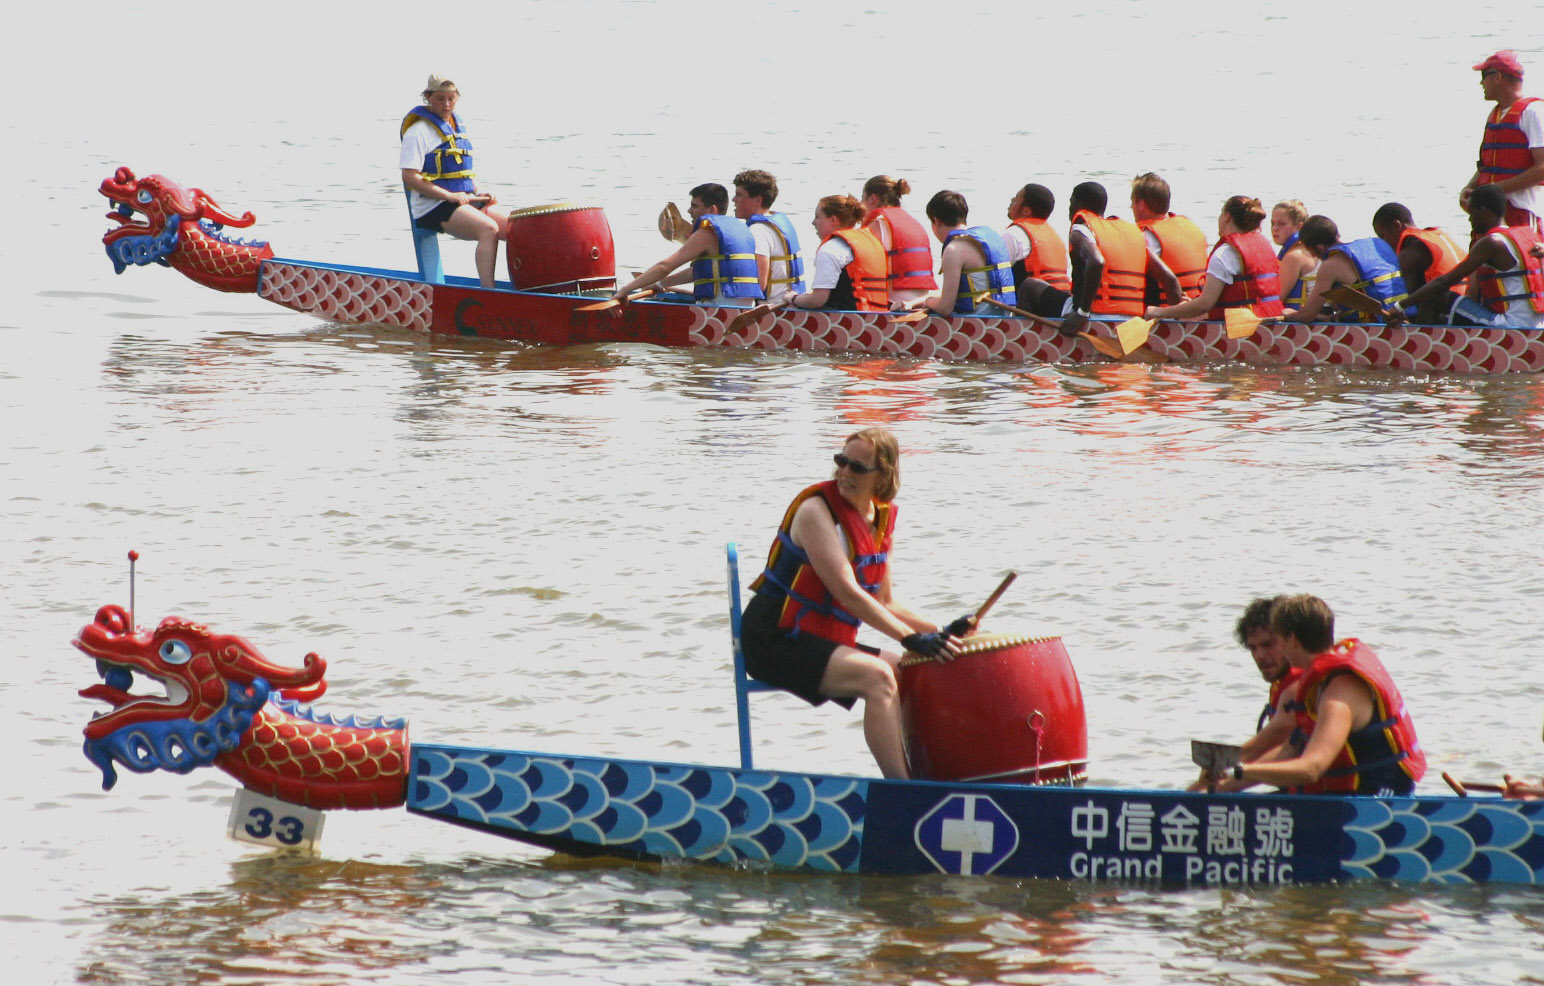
(967, 834)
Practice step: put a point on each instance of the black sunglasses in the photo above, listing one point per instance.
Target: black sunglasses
(852, 465)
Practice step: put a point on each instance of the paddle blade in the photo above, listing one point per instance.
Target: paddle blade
(916, 316)
(742, 322)
(1132, 334)
(1214, 758)
(1108, 347)
(1348, 297)
(599, 306)
(1240, 322)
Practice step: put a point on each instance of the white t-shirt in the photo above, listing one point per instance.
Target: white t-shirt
(1225, 265)
(1532, 123)
(421, 138)
(1018, 243)
(834, 255)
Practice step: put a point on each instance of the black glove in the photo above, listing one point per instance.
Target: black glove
(961, 626)
(926, 644)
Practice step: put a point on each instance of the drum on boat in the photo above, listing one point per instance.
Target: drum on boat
(1007, 710)
(563, 247)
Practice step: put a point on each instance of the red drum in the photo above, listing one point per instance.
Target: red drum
(563, 247)
(1008, 710)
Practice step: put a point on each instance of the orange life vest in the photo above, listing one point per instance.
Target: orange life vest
(866, 273)
(1445, 254)
(1047, 258)
(1122, 286)
(1182, 246)
(807, 605)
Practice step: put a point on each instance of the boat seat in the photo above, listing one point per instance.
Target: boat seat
(426, 247)
(744, 684)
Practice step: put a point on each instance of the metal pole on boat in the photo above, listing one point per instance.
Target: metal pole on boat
(133, 557)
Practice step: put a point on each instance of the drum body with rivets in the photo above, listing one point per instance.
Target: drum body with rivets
(1007, 710)
(560, 247)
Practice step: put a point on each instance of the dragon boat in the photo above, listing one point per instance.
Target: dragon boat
(560, 260)
(998, 733)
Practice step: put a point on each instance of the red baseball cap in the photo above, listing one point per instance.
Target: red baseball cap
(1502, 61)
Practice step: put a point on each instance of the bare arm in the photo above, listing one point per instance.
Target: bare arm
(413, 180)
(814, 530)
(1166, 278)
(953, 261)
(1488, 250)
(1196, 307)
(700, 242)
(1344, 705)
(1333, 271)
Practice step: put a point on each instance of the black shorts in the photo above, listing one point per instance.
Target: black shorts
(436, 217)
(794, 664)
(1052, 303)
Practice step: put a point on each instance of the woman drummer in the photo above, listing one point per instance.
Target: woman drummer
(437, 171)
(826, 574)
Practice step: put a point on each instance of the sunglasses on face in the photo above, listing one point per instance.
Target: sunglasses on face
(852, 465)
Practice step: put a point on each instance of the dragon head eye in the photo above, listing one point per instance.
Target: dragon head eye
(176, 652)
(144, 195)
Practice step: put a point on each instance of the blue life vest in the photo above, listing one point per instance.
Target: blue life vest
(998, 271)
(1377, 268)
(450, 164)
(731, 272)
(790, 256)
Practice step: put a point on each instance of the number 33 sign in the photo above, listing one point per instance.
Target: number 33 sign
(270, 822)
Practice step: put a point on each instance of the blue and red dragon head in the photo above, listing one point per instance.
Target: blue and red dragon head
(222, 703)
(161, 222)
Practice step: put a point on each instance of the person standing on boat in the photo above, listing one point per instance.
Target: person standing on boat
(1355, 735)
(973, 264)
(437, 171)
(1512, 149)
(1034, 246)
(1423, 254)
(1298, 264)
(1368, 265)
(1506, 262)
(828, 573)
(1242, 271)
(908, 251)
(1177, 241)
(1111, 263)
(850, 267)
(779, 263)
(1277, 720)
(720, 251)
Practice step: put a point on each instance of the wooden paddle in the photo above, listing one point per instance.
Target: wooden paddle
(1241, 323)
(744, 321)
(991, 600)
(610, 303)
(1346, 296)
(1051, 322)
(1215, 759)
(1462, 788)
(672, 225)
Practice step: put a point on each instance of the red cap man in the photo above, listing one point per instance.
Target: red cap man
(1502, 61)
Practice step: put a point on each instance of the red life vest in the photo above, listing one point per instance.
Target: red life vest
(1273, 703)
(1122, 286)
(1504, 149)
(866, 272)
(910, 257)
(1445, 254)
(1258, 287)
(1182, 246)
(1047, 258)
(807, 605)
(1386, 744)
(1492, 292)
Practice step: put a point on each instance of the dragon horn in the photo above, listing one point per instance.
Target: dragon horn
(213, 210)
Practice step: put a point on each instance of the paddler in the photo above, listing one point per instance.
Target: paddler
(1505, 260)
(1034, 246)
(1368, 265)
(1298, 265)
(1354, 734)
(908, 251)
(1177, 241)
(720, 251)
(850, 267)
(1424, 254)
(1111, 263)
(1242, 271)
(779, 262)
(437, 171)
(1277, 720)
(827, 574)
(973, 265)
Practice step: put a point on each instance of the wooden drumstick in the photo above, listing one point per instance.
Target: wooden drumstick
(991, 601)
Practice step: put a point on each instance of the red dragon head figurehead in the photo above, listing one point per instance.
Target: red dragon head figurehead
(193, 667)
(160, 221)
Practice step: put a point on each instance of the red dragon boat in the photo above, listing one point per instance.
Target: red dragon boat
(561, 263)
